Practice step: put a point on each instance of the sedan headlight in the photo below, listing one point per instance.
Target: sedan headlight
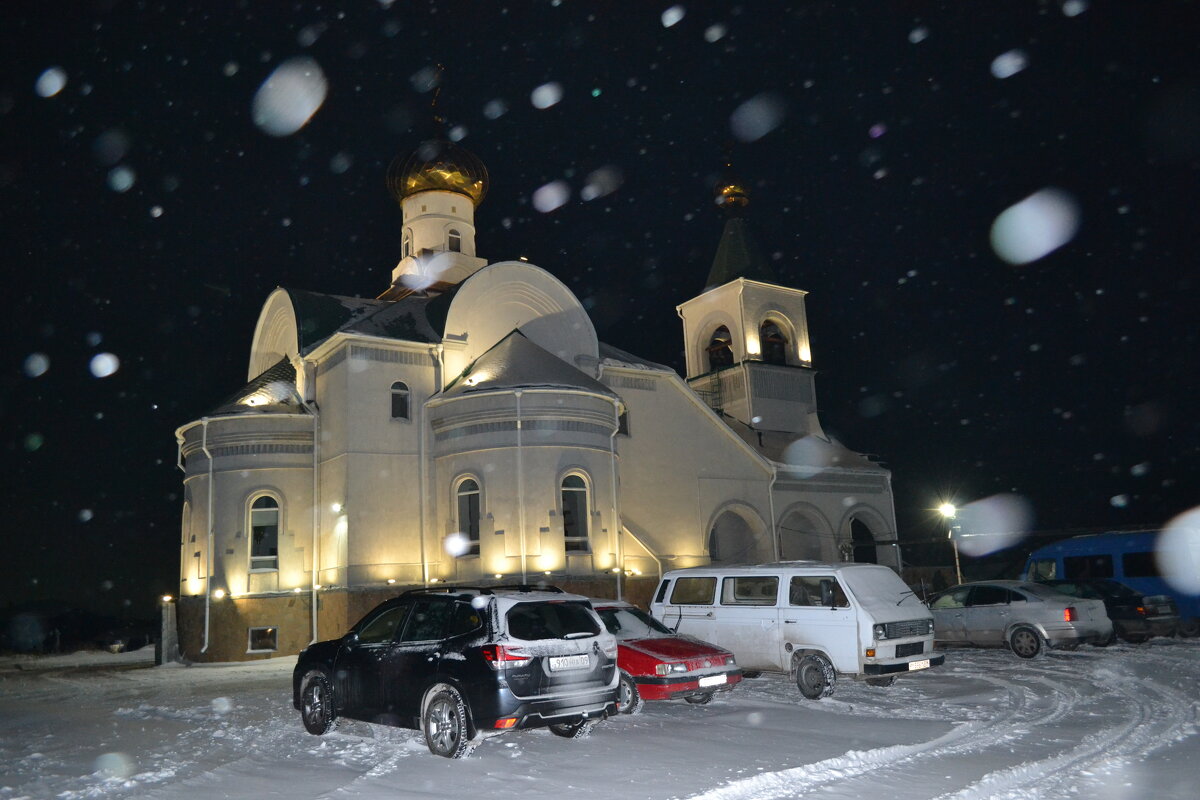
(667, 669)
(930, 621)
(729, 661)
(879, 631)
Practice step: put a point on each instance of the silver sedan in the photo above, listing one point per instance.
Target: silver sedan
(1023, 616)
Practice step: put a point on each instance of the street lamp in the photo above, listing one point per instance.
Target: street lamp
(948, 511)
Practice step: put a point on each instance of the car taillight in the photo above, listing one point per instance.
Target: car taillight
(1141, 610)
(610, 649)
(1069, 614)
(499, 656)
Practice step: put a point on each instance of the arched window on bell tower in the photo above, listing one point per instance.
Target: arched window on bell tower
(720, 349)
(454, 241)
(774, 343)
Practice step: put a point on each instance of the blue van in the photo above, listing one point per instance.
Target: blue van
(1124, 557)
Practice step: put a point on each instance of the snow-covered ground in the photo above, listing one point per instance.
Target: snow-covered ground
(1107, 723)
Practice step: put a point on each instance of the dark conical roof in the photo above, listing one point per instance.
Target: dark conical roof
(738, 254)
(517, 363)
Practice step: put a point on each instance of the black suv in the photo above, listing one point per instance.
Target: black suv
(459, 662)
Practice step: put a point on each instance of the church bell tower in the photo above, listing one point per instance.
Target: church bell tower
(746, 336)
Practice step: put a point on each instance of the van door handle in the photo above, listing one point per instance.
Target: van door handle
(709, 615)
(790, 621)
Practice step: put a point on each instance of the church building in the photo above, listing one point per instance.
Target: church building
(467, 427)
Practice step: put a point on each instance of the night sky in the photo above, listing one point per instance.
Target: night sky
(147, 216)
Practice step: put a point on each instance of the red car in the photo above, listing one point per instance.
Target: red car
(658, 664)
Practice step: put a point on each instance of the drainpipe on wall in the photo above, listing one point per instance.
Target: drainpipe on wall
(521, 489)
(208, 561)
(310, 406)
(771, 505)
(617, 527)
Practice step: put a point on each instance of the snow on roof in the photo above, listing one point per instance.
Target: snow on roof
(272, 392)
(319, 316)
(515, 362)
(802, 452)
(618, 357)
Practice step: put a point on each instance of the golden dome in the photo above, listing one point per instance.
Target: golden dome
(438, 165)
(732, 193)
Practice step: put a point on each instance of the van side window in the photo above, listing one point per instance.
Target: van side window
(1076, 567)
(1043, 569)
(694, 591)
(817, 590)
(1140, 565)
(750, 590)
(662, 592)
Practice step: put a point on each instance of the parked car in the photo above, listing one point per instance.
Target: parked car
(1129, 558)
(811, 620)
(1023, 616)
(457, 663)
(1135, 617)
(658, 664)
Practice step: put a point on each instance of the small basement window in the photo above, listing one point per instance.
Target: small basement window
(263, 640)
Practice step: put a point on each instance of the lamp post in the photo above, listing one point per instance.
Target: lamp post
(948, 511)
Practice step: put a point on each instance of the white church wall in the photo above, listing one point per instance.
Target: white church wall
(520, 492)
(761, 302)
(383, 511)
(679, 465)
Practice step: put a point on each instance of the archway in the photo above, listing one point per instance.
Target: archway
(864, 542)
(737, 536)
(803, 535)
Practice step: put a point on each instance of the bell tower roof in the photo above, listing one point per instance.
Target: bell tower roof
(738, 254)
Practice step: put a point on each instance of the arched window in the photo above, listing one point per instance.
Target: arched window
(575, 514)
(454, 241)
(406, 244)
(264, 534)
(468, 514)
(774, 343)
(400, 400)
(720, 349)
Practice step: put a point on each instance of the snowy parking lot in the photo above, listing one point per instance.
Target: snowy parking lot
(1107, 723)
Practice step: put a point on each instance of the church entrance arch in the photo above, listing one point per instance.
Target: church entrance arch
(738, 535)
(869, 536)
(864, 542)
(805, 534)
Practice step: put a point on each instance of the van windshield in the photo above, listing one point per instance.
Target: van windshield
(875, 585)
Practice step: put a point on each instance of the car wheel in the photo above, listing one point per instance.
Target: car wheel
(884, 682)
(1025, 642)
(447, 732)
(1135, 638)
(700, 699)
(1106, 641)
(1189, 627)
(316, 706)
(815, 676)
(572, 730)
(628, 695)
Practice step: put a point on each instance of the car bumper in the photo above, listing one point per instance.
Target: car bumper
(654, 687)
(539, 713)
(902, 666)
(1078, 634)
(1147, 627)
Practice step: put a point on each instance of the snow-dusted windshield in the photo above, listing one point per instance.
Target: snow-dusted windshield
(631, 623)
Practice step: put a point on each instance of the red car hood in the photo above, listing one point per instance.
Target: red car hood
(674, 648)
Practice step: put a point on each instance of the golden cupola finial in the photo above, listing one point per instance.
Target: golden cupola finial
(438, 165)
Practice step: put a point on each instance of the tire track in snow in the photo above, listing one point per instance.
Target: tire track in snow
(1166, 717)
(797, 781)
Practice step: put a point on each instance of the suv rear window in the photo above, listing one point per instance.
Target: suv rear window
(533, 621)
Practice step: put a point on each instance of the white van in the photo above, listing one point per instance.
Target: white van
(811, 620)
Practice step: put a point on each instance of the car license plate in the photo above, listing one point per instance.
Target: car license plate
(712, 680)
(560, 663)
(923, 664)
